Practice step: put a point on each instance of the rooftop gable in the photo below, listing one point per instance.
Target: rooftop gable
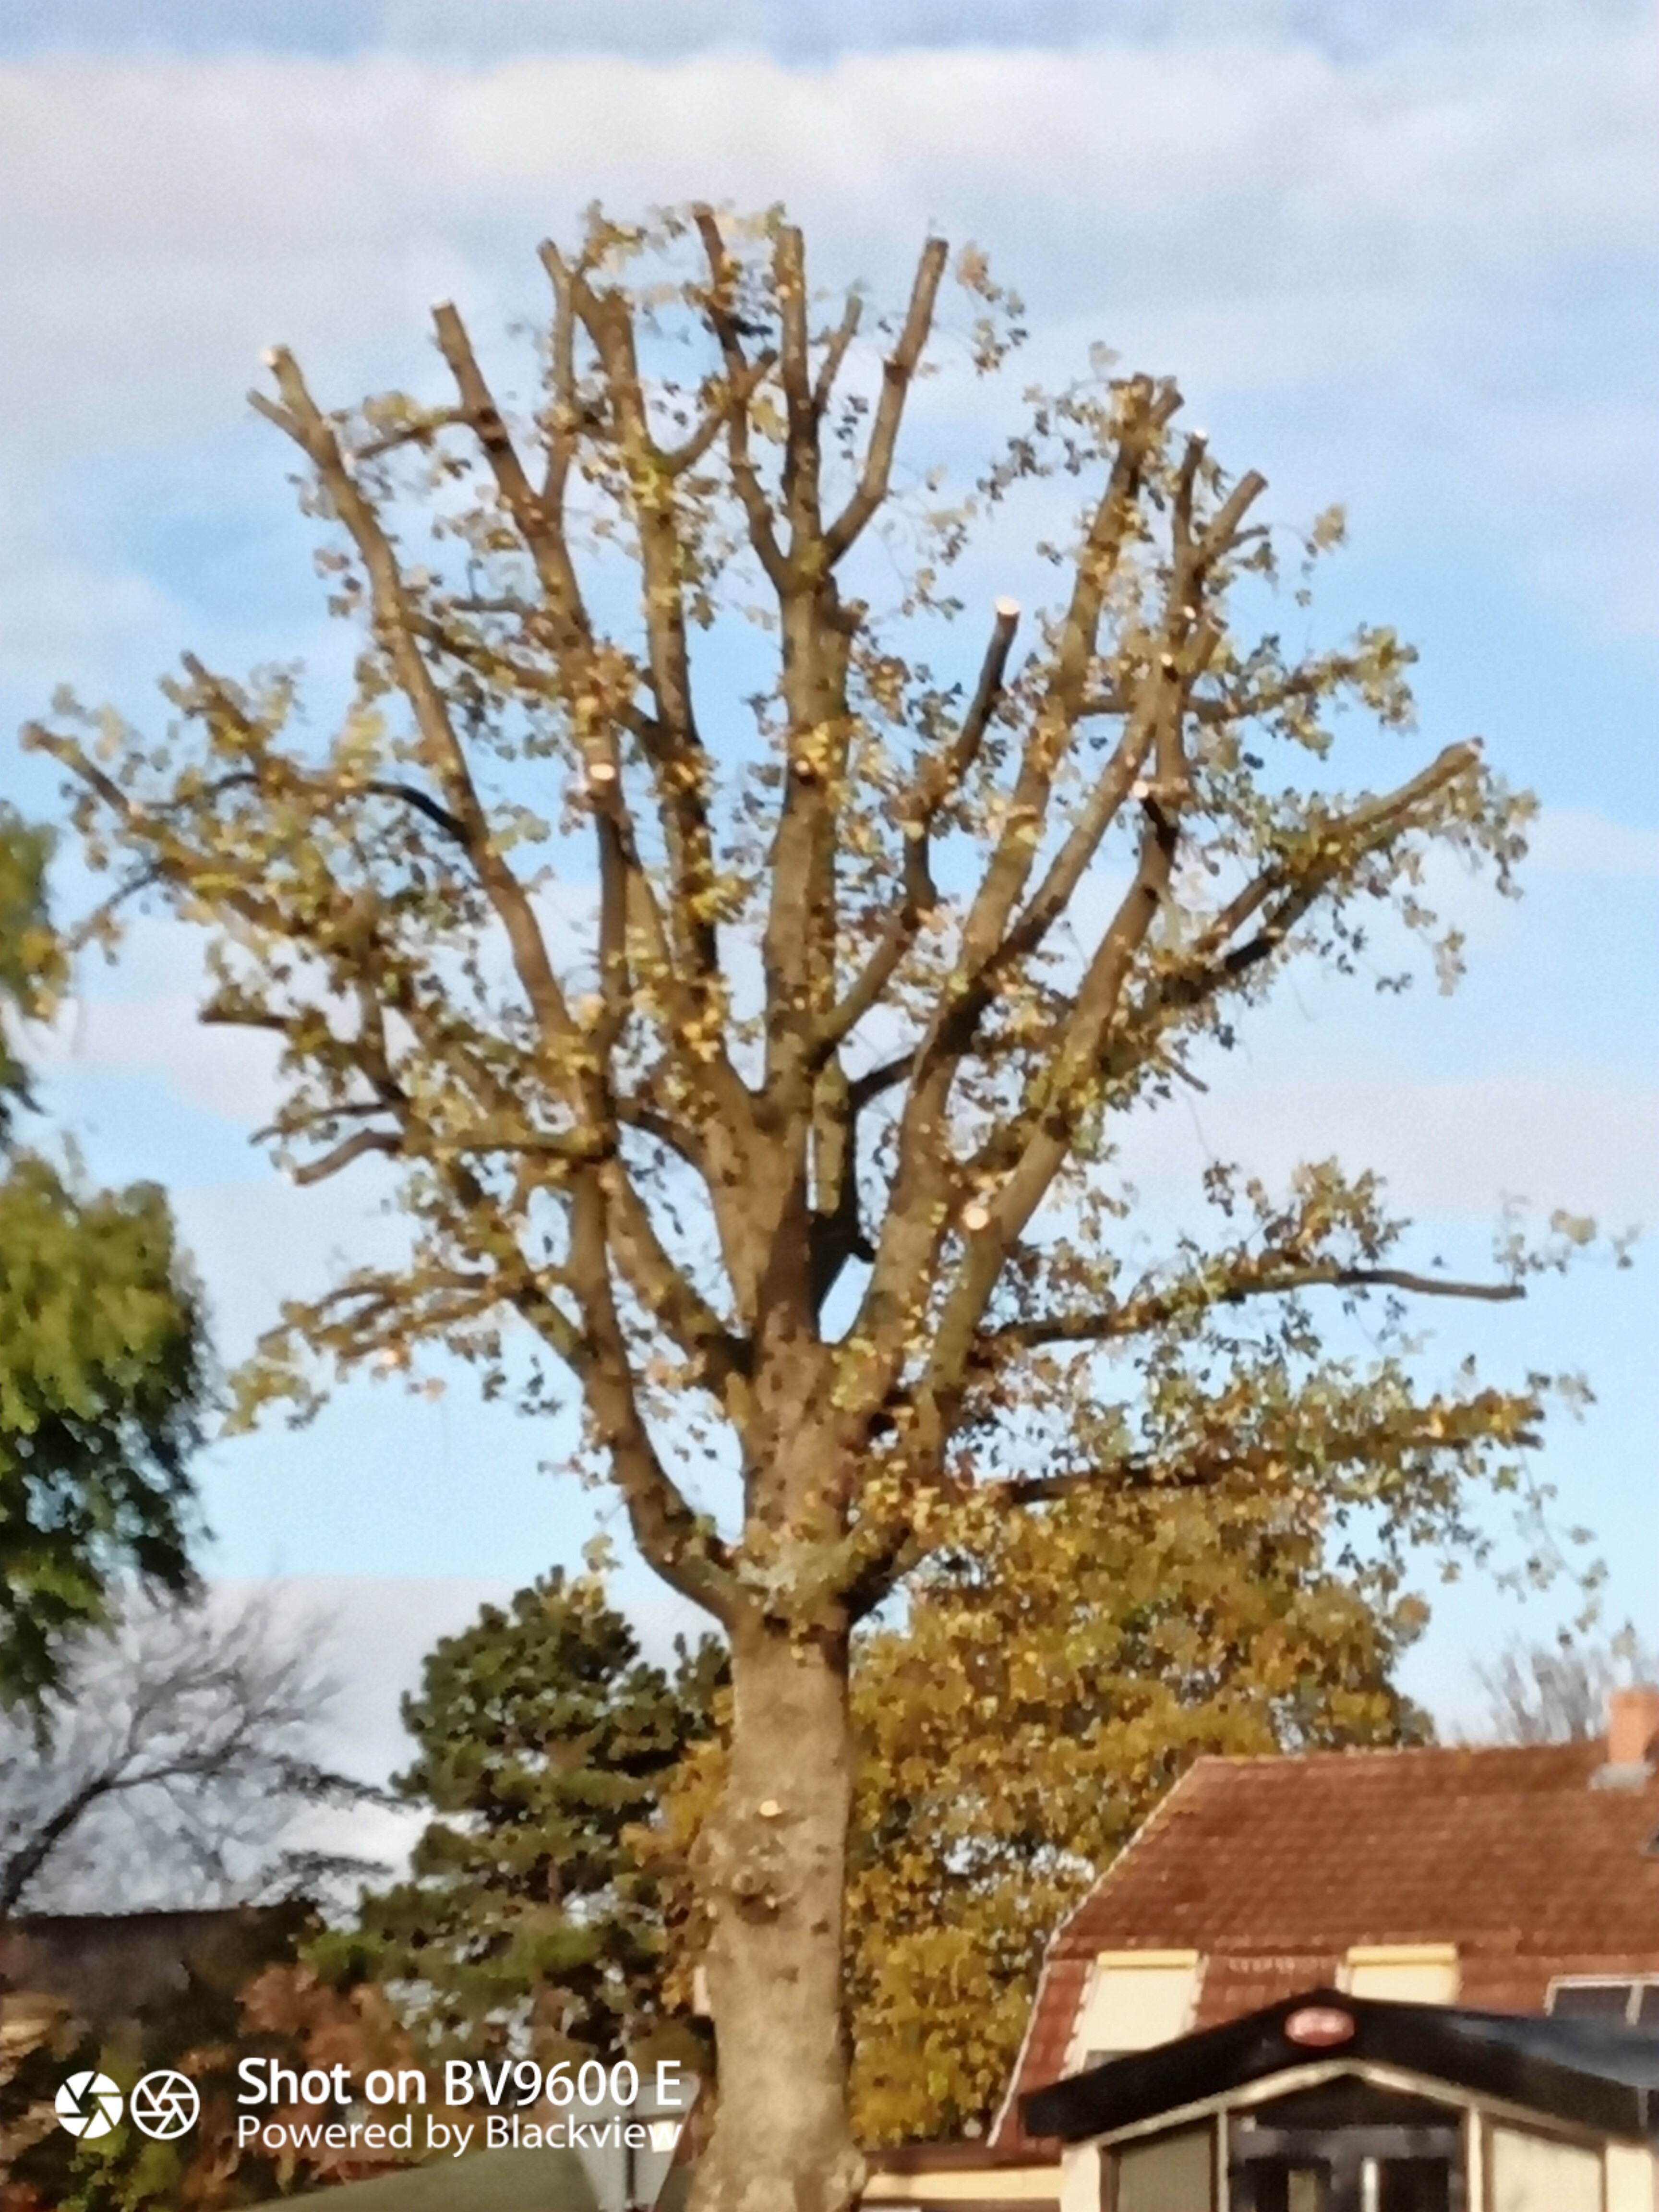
(1273, 1869)
(1598, 2077)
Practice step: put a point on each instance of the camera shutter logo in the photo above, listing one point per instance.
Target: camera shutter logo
(88, 2104)
(165, 2105)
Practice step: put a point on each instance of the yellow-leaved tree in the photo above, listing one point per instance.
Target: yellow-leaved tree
(746, 990)
(1042, 1693)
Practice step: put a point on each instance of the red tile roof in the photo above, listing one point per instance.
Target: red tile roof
(1271, 1869)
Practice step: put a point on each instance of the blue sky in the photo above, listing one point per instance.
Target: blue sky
(1404, 257)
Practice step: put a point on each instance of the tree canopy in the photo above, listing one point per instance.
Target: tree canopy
(747, 986)
(103, 1345)
(1561, 1692)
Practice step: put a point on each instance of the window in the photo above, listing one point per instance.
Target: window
(1134, 1999)
(1170, 2173)
(1404, 1973)
(1631, 1998)
(1391, 2184)
(1347, 2143)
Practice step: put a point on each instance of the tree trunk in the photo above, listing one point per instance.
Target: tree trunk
(774, 1875)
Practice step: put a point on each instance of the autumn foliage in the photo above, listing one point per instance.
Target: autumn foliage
(743, 980)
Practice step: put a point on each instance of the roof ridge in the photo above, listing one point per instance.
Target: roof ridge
(1333, 1753)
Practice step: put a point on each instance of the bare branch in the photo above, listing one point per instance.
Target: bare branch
(683, 1549)
(539, 524)
(680, 763)
(1210, 1469)
(834, 353)
(722, 320)
(679, 459)
(1342, 838)
(897, 370)
(1139, 1315)
(360, 1146)
(941, 781)
(1147, 410)
(443, 748)
(200, 1727)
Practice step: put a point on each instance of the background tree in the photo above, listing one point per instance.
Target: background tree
(530, 1919)
(176, 1767)
(1040, 1697)
(197, 2025)
(1036, 1700)
(102, 1348)
(245, 1993)
(786, 1134)
(1557, 1693)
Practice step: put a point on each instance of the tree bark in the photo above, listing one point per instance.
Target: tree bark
(773, 1874)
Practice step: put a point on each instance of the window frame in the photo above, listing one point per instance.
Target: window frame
(1208, 2126)
(1634, 1985)
(1082, 2051)
(1363, 1958)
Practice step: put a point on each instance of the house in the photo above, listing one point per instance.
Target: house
(101, 1970)
(1482, 1892)
(1516, 1880)
(1328, 2102)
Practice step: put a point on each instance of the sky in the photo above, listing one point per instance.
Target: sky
(1403, 257)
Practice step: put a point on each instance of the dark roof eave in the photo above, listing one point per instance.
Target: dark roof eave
(1604, 2079)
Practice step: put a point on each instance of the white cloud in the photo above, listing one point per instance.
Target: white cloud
(486, 30)
(1450, 1151)
(228, 1072)
(1434, 255)
(259, 1243)
(1578, 841)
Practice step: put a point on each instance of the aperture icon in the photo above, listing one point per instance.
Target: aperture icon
(88, 2104)
(165, 2105)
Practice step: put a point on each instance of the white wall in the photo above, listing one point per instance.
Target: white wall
(1530, 2173)
(1633, 2178)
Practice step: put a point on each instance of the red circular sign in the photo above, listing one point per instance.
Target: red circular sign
(1319, 2026)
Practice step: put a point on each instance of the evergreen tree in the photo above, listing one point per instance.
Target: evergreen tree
(544, 1738)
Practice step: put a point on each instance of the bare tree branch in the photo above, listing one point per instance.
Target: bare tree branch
(1139, 1315)
(740, 384)
(443, 748)
(204, 1727)
(897, 370)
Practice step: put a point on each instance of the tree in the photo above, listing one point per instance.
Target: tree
(245, 1993)
(174, 1765)
(768, 1074)
(1034, 1703)
(1558, 1693)
(528, 1919)
(199, 2027)
(102, 1349)
(177, 1757)
(1037, 1702)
